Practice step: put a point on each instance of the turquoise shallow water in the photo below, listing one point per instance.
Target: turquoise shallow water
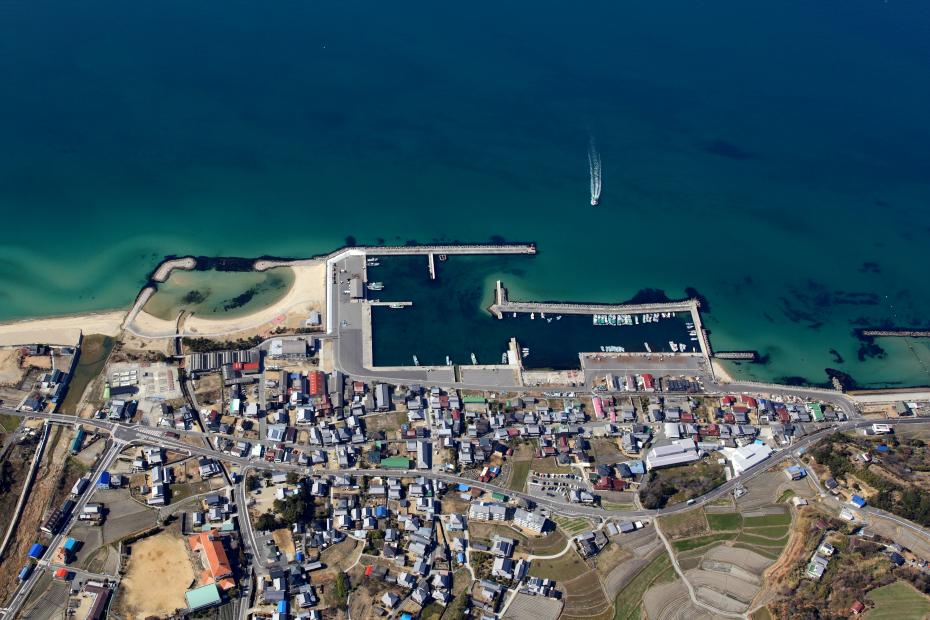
(771, 155)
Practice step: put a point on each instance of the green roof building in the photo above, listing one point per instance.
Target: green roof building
(203, 597)
(473, 399)
(396, 462)
(816, 411)
(499, 497)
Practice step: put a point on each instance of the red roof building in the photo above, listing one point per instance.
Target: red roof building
(649, 382)
(317, 383)
(218, 569)
(749, 401)
(726, 401)
(857, 608)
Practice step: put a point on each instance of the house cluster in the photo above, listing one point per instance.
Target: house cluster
(180, 419)
(117, 409)
(819, 561)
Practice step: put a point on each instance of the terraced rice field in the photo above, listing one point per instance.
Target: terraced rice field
(629, 602)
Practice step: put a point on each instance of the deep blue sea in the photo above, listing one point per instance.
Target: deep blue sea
(774, 156)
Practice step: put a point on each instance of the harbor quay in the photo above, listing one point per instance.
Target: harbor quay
(574, 346)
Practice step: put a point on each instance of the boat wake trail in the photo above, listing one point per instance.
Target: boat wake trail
(594, 163)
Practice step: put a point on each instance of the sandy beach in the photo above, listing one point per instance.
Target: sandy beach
(308, 292)
(720, 372)
(64, 330)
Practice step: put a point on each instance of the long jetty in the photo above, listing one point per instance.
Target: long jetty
(465, 248)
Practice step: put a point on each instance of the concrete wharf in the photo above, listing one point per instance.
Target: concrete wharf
(502, 304)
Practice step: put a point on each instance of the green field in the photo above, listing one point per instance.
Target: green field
(629, 602)
(762, 613)
(572, 526)
(724, 521)
(9, 422)
(771, 531)
(693, 543)
(521, 470)
(897, 601)
(779, 519)
(784, 497)
(749, 539)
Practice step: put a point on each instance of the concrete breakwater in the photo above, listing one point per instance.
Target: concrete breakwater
(751, 356)
(164, 270)
(894, 331)
(503, 304)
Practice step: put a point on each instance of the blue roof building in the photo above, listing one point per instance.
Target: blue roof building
(857, 501)
(36, 551)
(103, 482)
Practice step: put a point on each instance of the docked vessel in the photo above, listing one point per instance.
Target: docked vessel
(474, 360)
(375, 286)
(395, 306)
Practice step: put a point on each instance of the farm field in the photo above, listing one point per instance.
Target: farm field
(897, 601)
(572, 525)
(629, 602)
(521, 470)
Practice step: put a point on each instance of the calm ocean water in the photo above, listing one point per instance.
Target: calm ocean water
(773, 156)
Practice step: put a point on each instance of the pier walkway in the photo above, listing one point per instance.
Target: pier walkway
(402, 250)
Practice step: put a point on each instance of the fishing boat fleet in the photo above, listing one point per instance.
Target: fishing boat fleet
(631, 319)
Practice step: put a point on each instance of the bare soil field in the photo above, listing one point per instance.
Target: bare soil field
(11, 373)
(670, 601)
(158, 574)
(726, 585)
(744, 558)
(528, 607)
(584, 598)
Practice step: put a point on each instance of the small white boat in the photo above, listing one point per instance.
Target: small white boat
(549, 320)
(504, 358)
(558, 318)
(474, 360)
(448, 361)
(514, 315)
(646, 344)
(542, 315)
(673, 346)
(416, 362)
(532, 315)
